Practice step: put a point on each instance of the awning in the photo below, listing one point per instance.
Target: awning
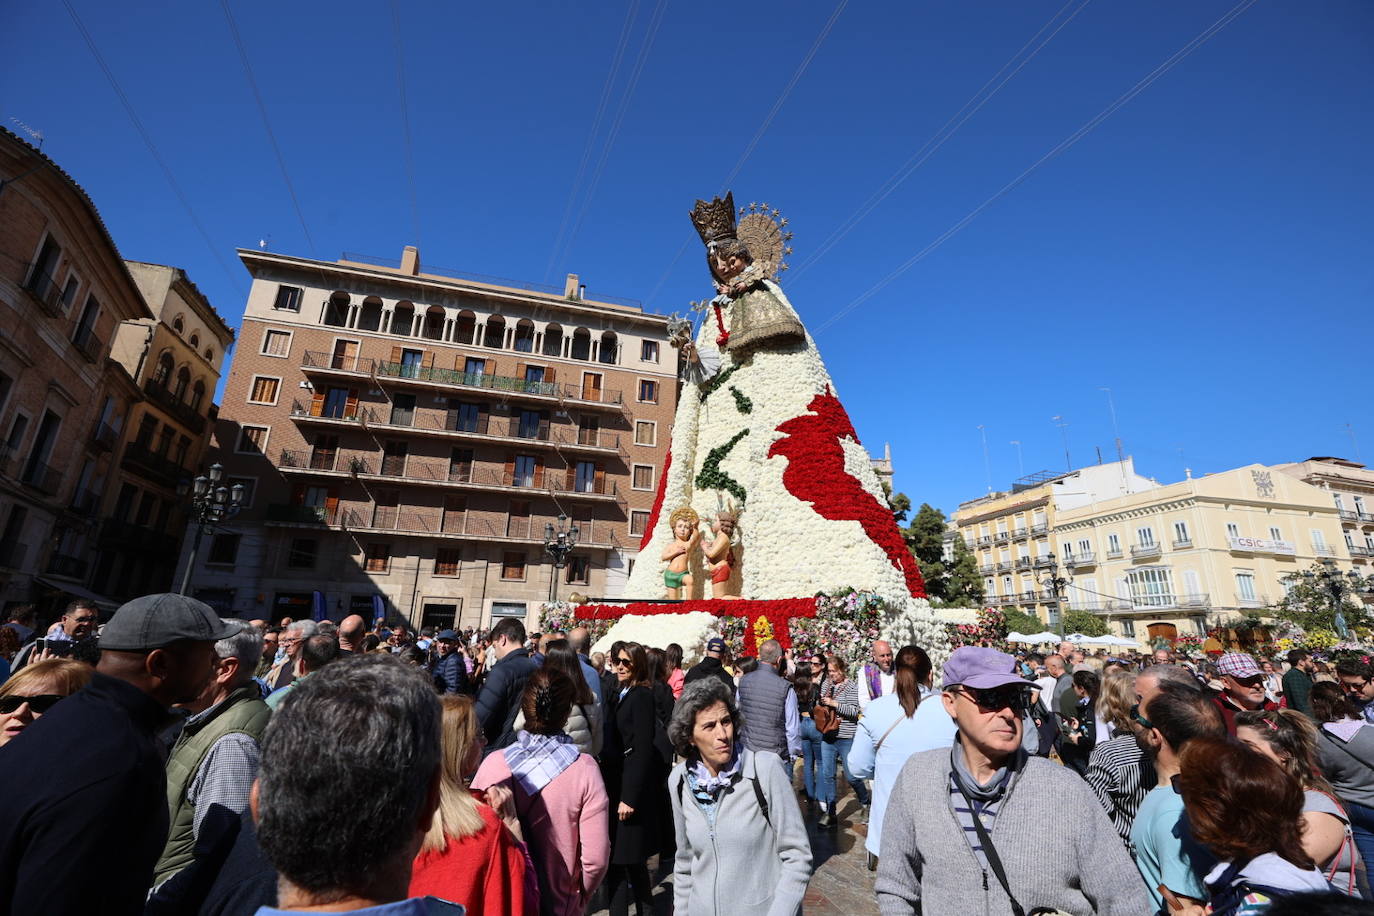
(77, 591)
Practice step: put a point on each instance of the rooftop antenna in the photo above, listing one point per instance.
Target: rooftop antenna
(1064, 433)
(1350, 430)
(1020, 465)
(987, 464)
(1116, 433)
(33, 132)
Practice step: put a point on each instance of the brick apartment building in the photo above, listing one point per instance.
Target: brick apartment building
(405, 437)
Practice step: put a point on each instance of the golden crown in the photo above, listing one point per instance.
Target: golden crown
(715, 221)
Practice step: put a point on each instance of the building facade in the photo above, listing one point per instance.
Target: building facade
(406, 439)
(1351, 486)
(1179, 559)
(1010, 532)
(173, 360)
(64, 290)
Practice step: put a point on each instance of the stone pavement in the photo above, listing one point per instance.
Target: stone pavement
(840, 882)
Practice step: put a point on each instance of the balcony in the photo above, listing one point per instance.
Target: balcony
(88, 344)
(463, 526)
(987, 568)
(302, 515)
(1349, 515)
(1028, 598)
(1039, 529)
(104, 437)
(1113, 553)
(149, 465)
(1367, 518)
(12, 554)
(1145, 551)
(1199, 600)
(128, 537)
(1021, 532)
(182, 412)
(1004, 566)
(67, 566)
(1023, 562)
(1324, 550)
(1002, 537)
(357, 368)
(1182, 543)
(1080, 560)
(43, 478)
(1043, 562)
(45, 292)
(985, 541)
(1252, 600)
(1357, 551)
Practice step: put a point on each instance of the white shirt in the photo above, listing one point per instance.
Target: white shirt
(886, 683)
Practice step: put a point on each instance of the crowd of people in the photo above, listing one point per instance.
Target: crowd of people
(178, 762)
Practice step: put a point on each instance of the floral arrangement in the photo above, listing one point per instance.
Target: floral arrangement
(763, 630)
(990, 630)
(1189, 643)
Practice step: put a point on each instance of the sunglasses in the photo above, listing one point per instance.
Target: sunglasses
(994, 699)
(623, 663)
(39, 704)
(1135, 715)
(1354, 688)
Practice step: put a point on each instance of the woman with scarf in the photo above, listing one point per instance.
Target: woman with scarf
(559, 796)
(473, 854)
(741, 842)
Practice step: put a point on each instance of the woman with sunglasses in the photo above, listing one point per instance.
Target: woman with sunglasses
(636, 776)
(35, 689)
(841, 694)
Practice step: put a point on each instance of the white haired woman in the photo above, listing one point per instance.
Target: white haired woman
(741, 842)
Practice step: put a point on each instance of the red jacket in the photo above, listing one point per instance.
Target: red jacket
(1229, 709)
(484, 872)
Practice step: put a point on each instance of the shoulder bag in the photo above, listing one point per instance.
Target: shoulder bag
(827, 720)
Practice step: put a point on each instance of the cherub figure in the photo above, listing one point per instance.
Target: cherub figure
(720, 555)
(686, 525)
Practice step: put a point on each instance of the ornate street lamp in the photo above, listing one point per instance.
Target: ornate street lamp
(211, 503)
(1337, 585)
(1056, 584)
(558, 543)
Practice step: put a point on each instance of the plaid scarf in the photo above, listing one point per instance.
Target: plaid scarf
(707, 788)
(536, 760)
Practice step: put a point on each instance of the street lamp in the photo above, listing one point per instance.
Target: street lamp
(1331, 581)
(1056, 584)
(558, 543)
(211, 503)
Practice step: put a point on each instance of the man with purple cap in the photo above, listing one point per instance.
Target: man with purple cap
(938, 855)
(1242, 688)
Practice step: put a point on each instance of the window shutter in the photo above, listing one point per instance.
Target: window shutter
(572, 471)
(520, 371)
(396, 355)
(543, 424)
(317, 404)
(331, 506)
(600, 480)
(427, 360)
(538, 473)
(549, 375)
(509, 479)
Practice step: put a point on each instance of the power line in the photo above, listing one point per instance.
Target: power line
(234, 278)
(266, 123)
(405, 119)
(655, 20)
(758, 134)
(946, 131)
(1064, 145)
(616, 60)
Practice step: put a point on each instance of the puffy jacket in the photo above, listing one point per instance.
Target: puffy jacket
(451, 674)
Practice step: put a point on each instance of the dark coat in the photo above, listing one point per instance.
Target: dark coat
(635, 774)
(451, 674)
(709, 667)
(499, 702)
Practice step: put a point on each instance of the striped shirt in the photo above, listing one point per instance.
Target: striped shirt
(985, 811)
(847, 695)
(1121, 775)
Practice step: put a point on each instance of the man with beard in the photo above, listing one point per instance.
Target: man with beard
(85, 836)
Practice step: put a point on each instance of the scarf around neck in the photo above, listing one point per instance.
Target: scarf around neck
(537, 760)
(979, 792)
(707, 788)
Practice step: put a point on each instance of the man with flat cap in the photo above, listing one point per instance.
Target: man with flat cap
(86, 837)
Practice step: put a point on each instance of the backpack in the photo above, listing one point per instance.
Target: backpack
(1229, 892)
(758, 796)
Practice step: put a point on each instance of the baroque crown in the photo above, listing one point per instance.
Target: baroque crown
(715, 221)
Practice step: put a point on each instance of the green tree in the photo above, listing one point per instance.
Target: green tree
(926, 538)
(1085, 622)
(1311, 605)
(900, 503)
(963, 584)
(1018, 621)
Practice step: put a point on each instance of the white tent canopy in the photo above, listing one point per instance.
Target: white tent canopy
(1034, 638)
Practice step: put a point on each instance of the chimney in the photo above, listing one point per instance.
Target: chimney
(570, 288)
(410, 261)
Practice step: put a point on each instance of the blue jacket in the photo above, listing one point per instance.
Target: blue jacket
(451, 674)
(499, 701)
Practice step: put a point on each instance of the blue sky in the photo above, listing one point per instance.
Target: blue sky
(1205, 252)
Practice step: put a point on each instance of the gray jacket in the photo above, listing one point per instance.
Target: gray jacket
(1349, 765)
(927, 864)
(743, 863)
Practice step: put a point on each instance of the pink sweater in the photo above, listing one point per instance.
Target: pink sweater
(566, 828)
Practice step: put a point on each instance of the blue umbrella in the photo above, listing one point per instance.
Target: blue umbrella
(318, 610)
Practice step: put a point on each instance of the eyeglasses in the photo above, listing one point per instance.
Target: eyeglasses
(83, 620)
(623, 663)
(39, 704)
(994, 699)
(1348, 687)
(1135, 715)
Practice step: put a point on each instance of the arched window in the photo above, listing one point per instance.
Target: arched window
(197, 394)
(370, 315)
(495, 336)
(524, 336)
(178, 324)
(195, 340)
(209, 354)
(553, 340)
(607, 351)
(336, 310)
(433, 328)
(403, 319)
(465, 329)
(581, 344)
(162, 375)
(183, 382)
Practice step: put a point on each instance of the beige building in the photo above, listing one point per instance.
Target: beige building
(1351, 487)
(1010, 531)
(406, 436)
(1178, 559)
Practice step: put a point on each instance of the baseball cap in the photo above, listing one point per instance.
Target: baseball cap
(980, 667)
(156, 621)
(446, 634)
(1238, 664)
(715, 644)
